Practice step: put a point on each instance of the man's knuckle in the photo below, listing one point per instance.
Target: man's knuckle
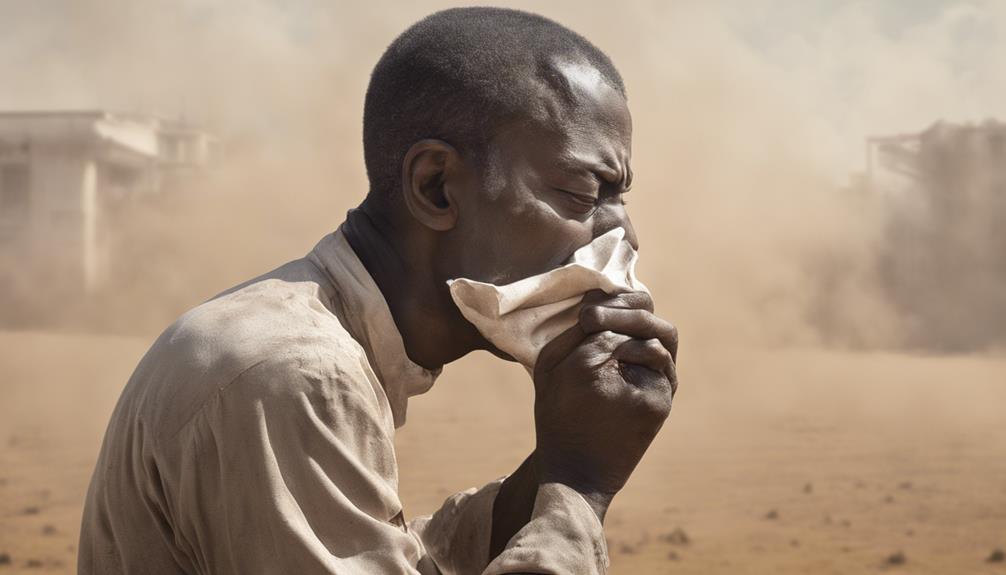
(641, 316)
(646, 301)
(655, 347)
(637, 300)
(655, 406)
(591, 317)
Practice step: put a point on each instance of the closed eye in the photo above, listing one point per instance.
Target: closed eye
(579, 201)
(581, 197)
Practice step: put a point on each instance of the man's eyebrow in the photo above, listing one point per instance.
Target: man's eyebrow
(601, 171)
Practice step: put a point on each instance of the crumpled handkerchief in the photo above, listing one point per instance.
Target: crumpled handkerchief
(521, 317)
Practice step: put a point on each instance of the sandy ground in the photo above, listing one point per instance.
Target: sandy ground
(774, 461)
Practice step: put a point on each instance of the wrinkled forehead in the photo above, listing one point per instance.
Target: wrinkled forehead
(575, 94)
(574, 114)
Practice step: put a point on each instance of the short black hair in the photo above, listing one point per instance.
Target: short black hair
(459, 74)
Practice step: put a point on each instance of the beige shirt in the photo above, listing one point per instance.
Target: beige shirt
(255, 436)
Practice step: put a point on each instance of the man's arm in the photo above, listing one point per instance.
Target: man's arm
(514, 504)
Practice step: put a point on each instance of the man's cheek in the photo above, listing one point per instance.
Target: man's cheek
(519, 235)
(560, 236)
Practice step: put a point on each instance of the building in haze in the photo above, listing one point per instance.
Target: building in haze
(66, 177)
(942, 258)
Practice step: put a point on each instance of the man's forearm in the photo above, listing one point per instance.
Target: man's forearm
(513, 505)
(515, 500)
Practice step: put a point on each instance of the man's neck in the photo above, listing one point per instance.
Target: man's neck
(431, 327)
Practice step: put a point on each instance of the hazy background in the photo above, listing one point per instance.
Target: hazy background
(750, 118)
(758, 238)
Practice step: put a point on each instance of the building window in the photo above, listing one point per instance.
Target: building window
(15, 191)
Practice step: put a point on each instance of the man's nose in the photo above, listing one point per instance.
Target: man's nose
(614, 217)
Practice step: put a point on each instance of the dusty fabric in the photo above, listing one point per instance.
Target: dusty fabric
(256, 437)
(521, 317)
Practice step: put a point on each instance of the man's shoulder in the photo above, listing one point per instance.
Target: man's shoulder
(271, 336)
(268, 317)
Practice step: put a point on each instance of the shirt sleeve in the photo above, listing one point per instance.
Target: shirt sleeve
(291, 469)
(564, 535)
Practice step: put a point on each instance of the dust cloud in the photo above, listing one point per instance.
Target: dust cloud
(748, 125)
(942, 263)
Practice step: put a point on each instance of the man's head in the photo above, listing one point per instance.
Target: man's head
(496, 142)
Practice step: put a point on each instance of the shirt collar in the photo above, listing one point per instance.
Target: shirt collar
(365, 314)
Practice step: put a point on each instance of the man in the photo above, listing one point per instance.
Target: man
(256, 434)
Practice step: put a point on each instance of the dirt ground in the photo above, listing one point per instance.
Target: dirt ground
(773, 461)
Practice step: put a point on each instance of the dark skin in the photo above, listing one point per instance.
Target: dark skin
(548, 185)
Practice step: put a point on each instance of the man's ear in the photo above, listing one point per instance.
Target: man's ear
(430, 169)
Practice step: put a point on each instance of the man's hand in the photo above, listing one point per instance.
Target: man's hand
(603, 389)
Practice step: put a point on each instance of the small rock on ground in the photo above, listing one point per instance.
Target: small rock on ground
(896, 559)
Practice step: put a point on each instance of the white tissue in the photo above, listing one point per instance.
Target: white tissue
(521, 317)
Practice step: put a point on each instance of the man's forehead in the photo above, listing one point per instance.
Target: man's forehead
(579, 97)
(577, 122)
(585, 153)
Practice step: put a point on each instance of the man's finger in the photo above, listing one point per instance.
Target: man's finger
(625, 300)
(636, 323)
(650, 354)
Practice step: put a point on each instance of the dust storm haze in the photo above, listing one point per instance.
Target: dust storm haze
(823, 314)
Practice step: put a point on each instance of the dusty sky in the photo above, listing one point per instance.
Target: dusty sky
(749, 119)
(843, 68)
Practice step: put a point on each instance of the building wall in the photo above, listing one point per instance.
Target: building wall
(55, 241)
(84, 173)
